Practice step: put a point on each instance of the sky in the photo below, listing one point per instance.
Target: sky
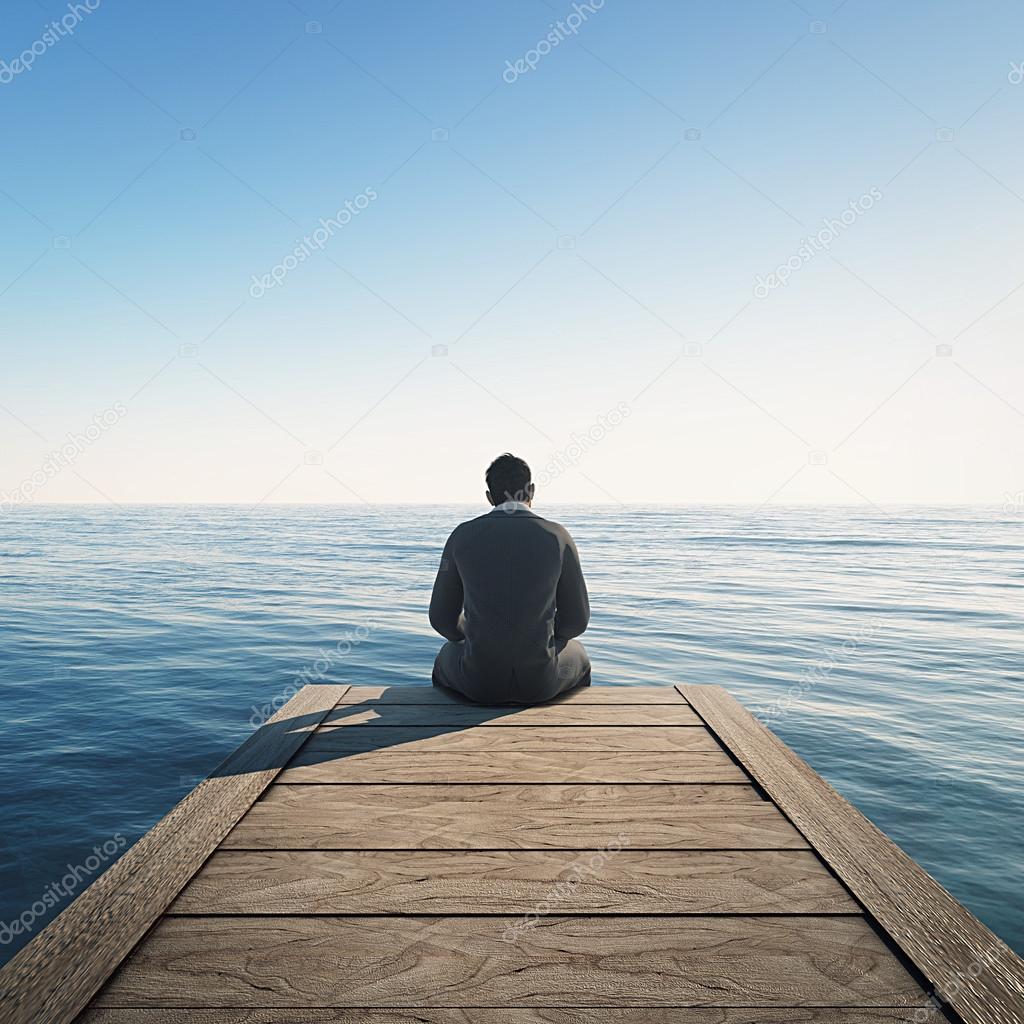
(322, 251)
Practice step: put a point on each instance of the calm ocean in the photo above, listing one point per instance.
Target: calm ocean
(139, 645)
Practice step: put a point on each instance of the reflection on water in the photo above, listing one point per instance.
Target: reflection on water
(139, 645)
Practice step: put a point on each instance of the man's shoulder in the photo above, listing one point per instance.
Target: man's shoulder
(494, 518)
(469, 525)
(467, 528)
(532, 520)
(552, 526)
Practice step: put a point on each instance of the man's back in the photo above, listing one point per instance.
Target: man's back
(516, 579)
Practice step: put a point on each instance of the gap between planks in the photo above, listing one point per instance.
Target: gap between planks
(433, 695)
(608, 1014)
(432, 715)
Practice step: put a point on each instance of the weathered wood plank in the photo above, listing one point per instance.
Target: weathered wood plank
(439, 817)
(468, 961)
(381, 716)
(66, 963)
(585, 695)
(514, 882)
(511, 767)
(972, 969)
(545, 738)
(477, 1015)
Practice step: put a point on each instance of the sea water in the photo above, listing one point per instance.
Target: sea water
(140, 645)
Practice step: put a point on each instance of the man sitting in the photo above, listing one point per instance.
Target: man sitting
(510, 597)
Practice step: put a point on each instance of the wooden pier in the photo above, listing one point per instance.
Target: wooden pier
(630, 855)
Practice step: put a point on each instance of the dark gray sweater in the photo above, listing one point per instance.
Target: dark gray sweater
(511, 586)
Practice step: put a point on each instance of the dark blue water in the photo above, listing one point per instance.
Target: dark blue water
(138, 646)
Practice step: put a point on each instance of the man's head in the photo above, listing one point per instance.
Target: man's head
(508, 479)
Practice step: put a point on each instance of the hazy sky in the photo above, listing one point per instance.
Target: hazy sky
(524, 255)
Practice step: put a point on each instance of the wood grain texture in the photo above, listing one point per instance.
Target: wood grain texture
(514, 882)
(968, 965)
(512, 817)
(465, 961)
(63, 966)
(403, 765)
(513, 1015)
(585, 695)
(545, 738)
(383, 716)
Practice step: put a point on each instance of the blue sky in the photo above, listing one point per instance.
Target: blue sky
(584, 238)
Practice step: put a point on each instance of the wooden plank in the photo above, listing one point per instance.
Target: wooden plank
(970, 968)
(380, 716)
(402, 765)
(515, 1015)
(545, 738)
(468, 961)
(584, 695)
(514, 882)
(63, 966)
(575, 817)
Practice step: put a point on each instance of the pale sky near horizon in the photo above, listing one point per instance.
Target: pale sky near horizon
(532, 252)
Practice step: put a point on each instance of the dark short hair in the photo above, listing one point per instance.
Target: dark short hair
(508, 476)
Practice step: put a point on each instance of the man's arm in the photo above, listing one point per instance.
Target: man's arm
(446, 599)
(572, 605)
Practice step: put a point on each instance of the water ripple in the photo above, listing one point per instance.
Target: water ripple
(139, 644)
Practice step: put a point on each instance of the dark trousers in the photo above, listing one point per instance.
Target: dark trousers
(572, 670)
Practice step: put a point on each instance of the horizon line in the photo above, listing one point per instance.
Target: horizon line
(472, 504)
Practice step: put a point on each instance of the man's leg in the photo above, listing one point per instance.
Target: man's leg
(447, 671)
(573, 666)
